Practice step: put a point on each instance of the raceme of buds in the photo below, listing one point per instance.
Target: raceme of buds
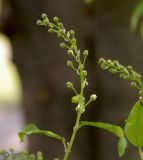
(126, 73)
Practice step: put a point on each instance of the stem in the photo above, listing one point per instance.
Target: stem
(64, 144)
(140, 153)
(79, 113)
(75, 129)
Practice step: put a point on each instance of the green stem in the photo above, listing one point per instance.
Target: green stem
(75, 129)
(79, 113)
(140, 153)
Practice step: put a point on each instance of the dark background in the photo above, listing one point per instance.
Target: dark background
(104, 29)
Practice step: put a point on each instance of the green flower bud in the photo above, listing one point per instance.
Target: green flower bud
(68, 34)
(84, 73)
(101, 61)
(141, 93)
(60, 25)
(56, 19)
(72, 32)
(45, 21)
(50, 30)
(70, 52)
(116, 63)
(133, 84)
(69, 85)
(93, 97)
(125, 77)
(104, 66)
(109, 61)
(69, 64)
(112, 70)
(63, 45)
(73, 41)
(75, 99)
(44, 15)
(130, 68)
(59, 35)
(39, 22)
(85, 53)
(141, 99)
(121, 75)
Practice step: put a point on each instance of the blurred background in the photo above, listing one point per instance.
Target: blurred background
(33, 73)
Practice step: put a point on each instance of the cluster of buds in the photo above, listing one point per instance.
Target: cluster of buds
(126, 73)
(69, 43)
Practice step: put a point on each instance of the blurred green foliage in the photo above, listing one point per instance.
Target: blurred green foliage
(88, 2)
(136, 18)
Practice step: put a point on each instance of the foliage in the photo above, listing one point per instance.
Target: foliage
(12, 155)
(133, 129)
(77, 63)
(134, 124)
(136, 18)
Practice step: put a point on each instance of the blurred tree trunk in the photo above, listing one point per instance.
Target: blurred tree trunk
(103, 28)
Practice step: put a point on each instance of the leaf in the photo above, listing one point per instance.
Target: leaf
(122, 145)
(117, 130)
(134, 125)
(33, 129)
(137, 13)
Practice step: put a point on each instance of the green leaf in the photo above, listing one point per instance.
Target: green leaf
(33, 129)
(117, 130)
(134, 125)
(137, 13)
(122, 145)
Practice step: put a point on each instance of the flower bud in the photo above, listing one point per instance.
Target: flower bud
(109, 61)
(133, 84)
(60, 25)
(72, 32)
(93, 97)
(39, 22)
(50, 30)
(63, 45)
(84, 73)
(141, 93)
(112, 70)
(85, 53)
(56, 19)
(43, 15)
(141, 99)
(70, 52)
(69, 85)
(73, 41)
(101, 61)
(130, 67)
(69, 64)
(75, 99)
